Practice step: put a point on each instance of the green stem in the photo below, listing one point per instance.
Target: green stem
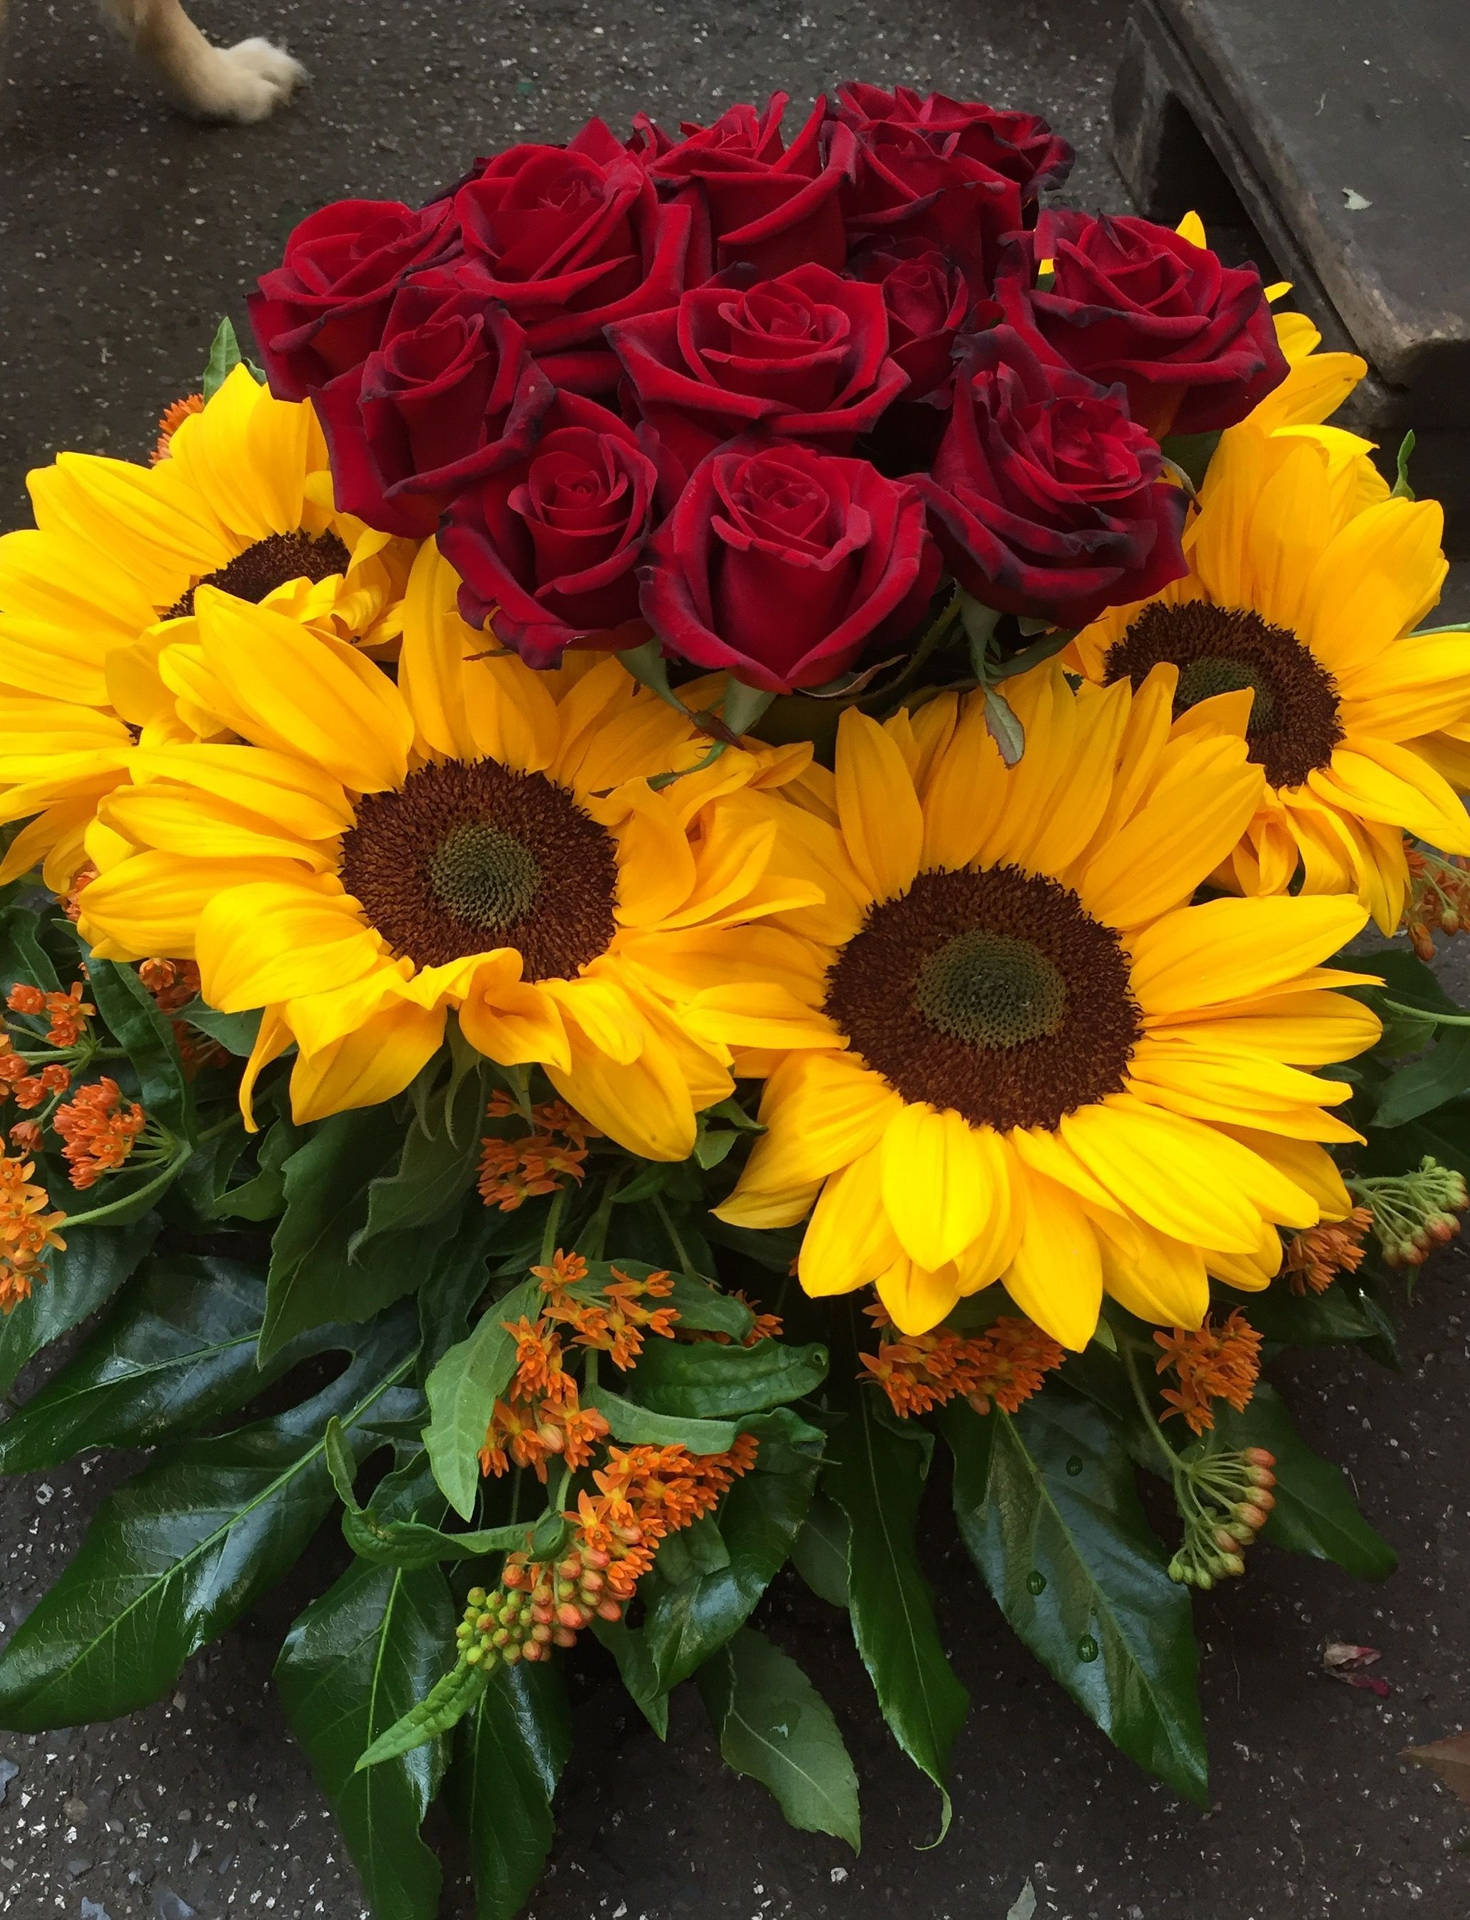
(936, 631)
(1130, 1367)
(681, 1252)
(1427, 1013)
(659, 781)
(553, 1225)
(595, 1239)
(219, 1127)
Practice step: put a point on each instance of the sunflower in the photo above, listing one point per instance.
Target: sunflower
(1296, 622)
(241, 503)
(476, 837)
(1038, 1062)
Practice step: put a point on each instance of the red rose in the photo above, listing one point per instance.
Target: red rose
(570, 239)
(783, 564)
(1047, 499)
(755, 200)
(1021, 146)
(322, 310)
(451, 394)
(908, 183)
(1191, 340)
(546, 547)
(805, 356)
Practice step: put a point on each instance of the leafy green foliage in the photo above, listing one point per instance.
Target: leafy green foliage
(379, 1532)
(462, 1391)
(235, 1032)
(1315, 1512)
(635, 1666)
(133, 1018)
(819, 1551)
(96, 1262)
(263, 1195)
(1048, 1510)
(436, 1167)
(775, 1727)
(510, 1756)
(224, 357)
(710, 1382)
(637, 1426)
(447, 1702)
(876, 1474)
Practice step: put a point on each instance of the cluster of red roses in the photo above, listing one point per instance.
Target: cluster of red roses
(754, 396)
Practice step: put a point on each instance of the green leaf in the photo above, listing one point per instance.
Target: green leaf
(701, 1306)
(353, 1662)
(708, 1381)
(133, 1018)
(1315, 1512)
(1401, 488)
(637, 1426)
(1440, 1075)
(510, 1757)
(687, 1620)
(264, 1194)
(1405, 977)
(1004, 727)
(180, 1350)
(775, 1727)
(876, 1477)
(1193, 452)
(177, 1554)
(462, 1391)
(236, 1032)
(382, 1533)
(1049, 1513)
(22, 957)
(314, 1278)
(224, 357)
(435, 1170)
(1317, 1319)
(819, 1552)
(94, 1265)
(447, 1702)
(635, 1665)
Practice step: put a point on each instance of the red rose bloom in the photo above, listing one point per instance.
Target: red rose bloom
(546, 547)
(755, 201)
(570, 239)
(1021, 146)
(451, 394)
(906, 184)
(805, 356)
(1047, 499)
(322, 310)
(1191, 340)
(783, 565)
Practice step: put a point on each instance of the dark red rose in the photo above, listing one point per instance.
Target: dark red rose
(804, 356)
(450, 395)
(755, 200)
(783, 564)
(1047, 498)
(911, 184)
(1191, 340)
(322, 311)
(546, 548)
(1021, 146)
(570, 239)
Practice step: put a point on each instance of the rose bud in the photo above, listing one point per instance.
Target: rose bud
(1046, 498)
(783, 565)
(546, 548)
(1191, 340)
(322, 311)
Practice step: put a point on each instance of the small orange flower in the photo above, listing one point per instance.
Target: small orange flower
(1210, 1363)
(513, 1171)
(1316, 1257)
(27, 1231)
(99, 1130)
(1439, 897)
(1005, 1364)
(174, 416)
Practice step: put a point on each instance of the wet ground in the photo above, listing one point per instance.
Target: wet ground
(124, 234)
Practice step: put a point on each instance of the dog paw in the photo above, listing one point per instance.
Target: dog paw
(250, 81)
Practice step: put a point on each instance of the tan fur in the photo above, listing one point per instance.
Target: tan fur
(244, 83)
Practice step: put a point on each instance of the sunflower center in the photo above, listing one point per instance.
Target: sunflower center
(1294, 723)
(468, 855)
(989, 990)
(269, 564)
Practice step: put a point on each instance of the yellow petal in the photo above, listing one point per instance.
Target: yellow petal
(937, 1186)
(1056, 1275)
(820, 1111)
(849, 1240)
(917, 1299)
(1392, 784)
(1150, 1275)
(513, 1022)
(1174, 1173)
(152, 903)
(877, 806)
(297, 796)
(373, 1063)
(1378, 577)
(176, 820)
(1232, 949)
(644, 1106)
(266, 942)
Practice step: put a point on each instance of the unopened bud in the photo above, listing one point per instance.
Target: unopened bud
(609, 1610)
(511, 1654)
(564, 1637)
(474, 1655)
(533, 1650)
(476, 1597)
(569, 1615)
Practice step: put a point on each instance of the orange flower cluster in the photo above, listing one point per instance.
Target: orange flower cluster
(99, 1129)
(174, 416)
(765, 1326)
(1439, 897)
(615, 1320)
(26, 1088)
(1210, 1363)
(173, 984)
(66, 1013)
(27, 1231)
(1316, 1257)
(1005, 1365)
(553, 1152)
(646, 1493)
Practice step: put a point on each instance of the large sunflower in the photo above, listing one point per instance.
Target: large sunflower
(1038, 1062)
(243, 502)
(1296, 622)
(475, 837)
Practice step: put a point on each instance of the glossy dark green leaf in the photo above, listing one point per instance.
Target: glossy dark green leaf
(819, 1551)
(462, 1391)
(701, 1306)
(180, 1350)
(635, 1666)
(132, 1016)
(637, 1426)
(459, 1276)
(313, 1277)
(710, 1382)
(224, 357)
(1406, 978)
(1049, 1512)
(1440, 1075)
(685, 1621)
(775, 1727)
(353, 1662)
(389, 1530)
(1316, 1319)
(427, 1720)
(876, 1476)
(435, 1169)
(1315, 1512)
(94, 1265)
(263, 1195)
(236, 1032)
(178, 1553)
(22, 957)
(509, 1757)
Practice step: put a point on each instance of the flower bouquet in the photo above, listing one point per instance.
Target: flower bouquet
(694, 859)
